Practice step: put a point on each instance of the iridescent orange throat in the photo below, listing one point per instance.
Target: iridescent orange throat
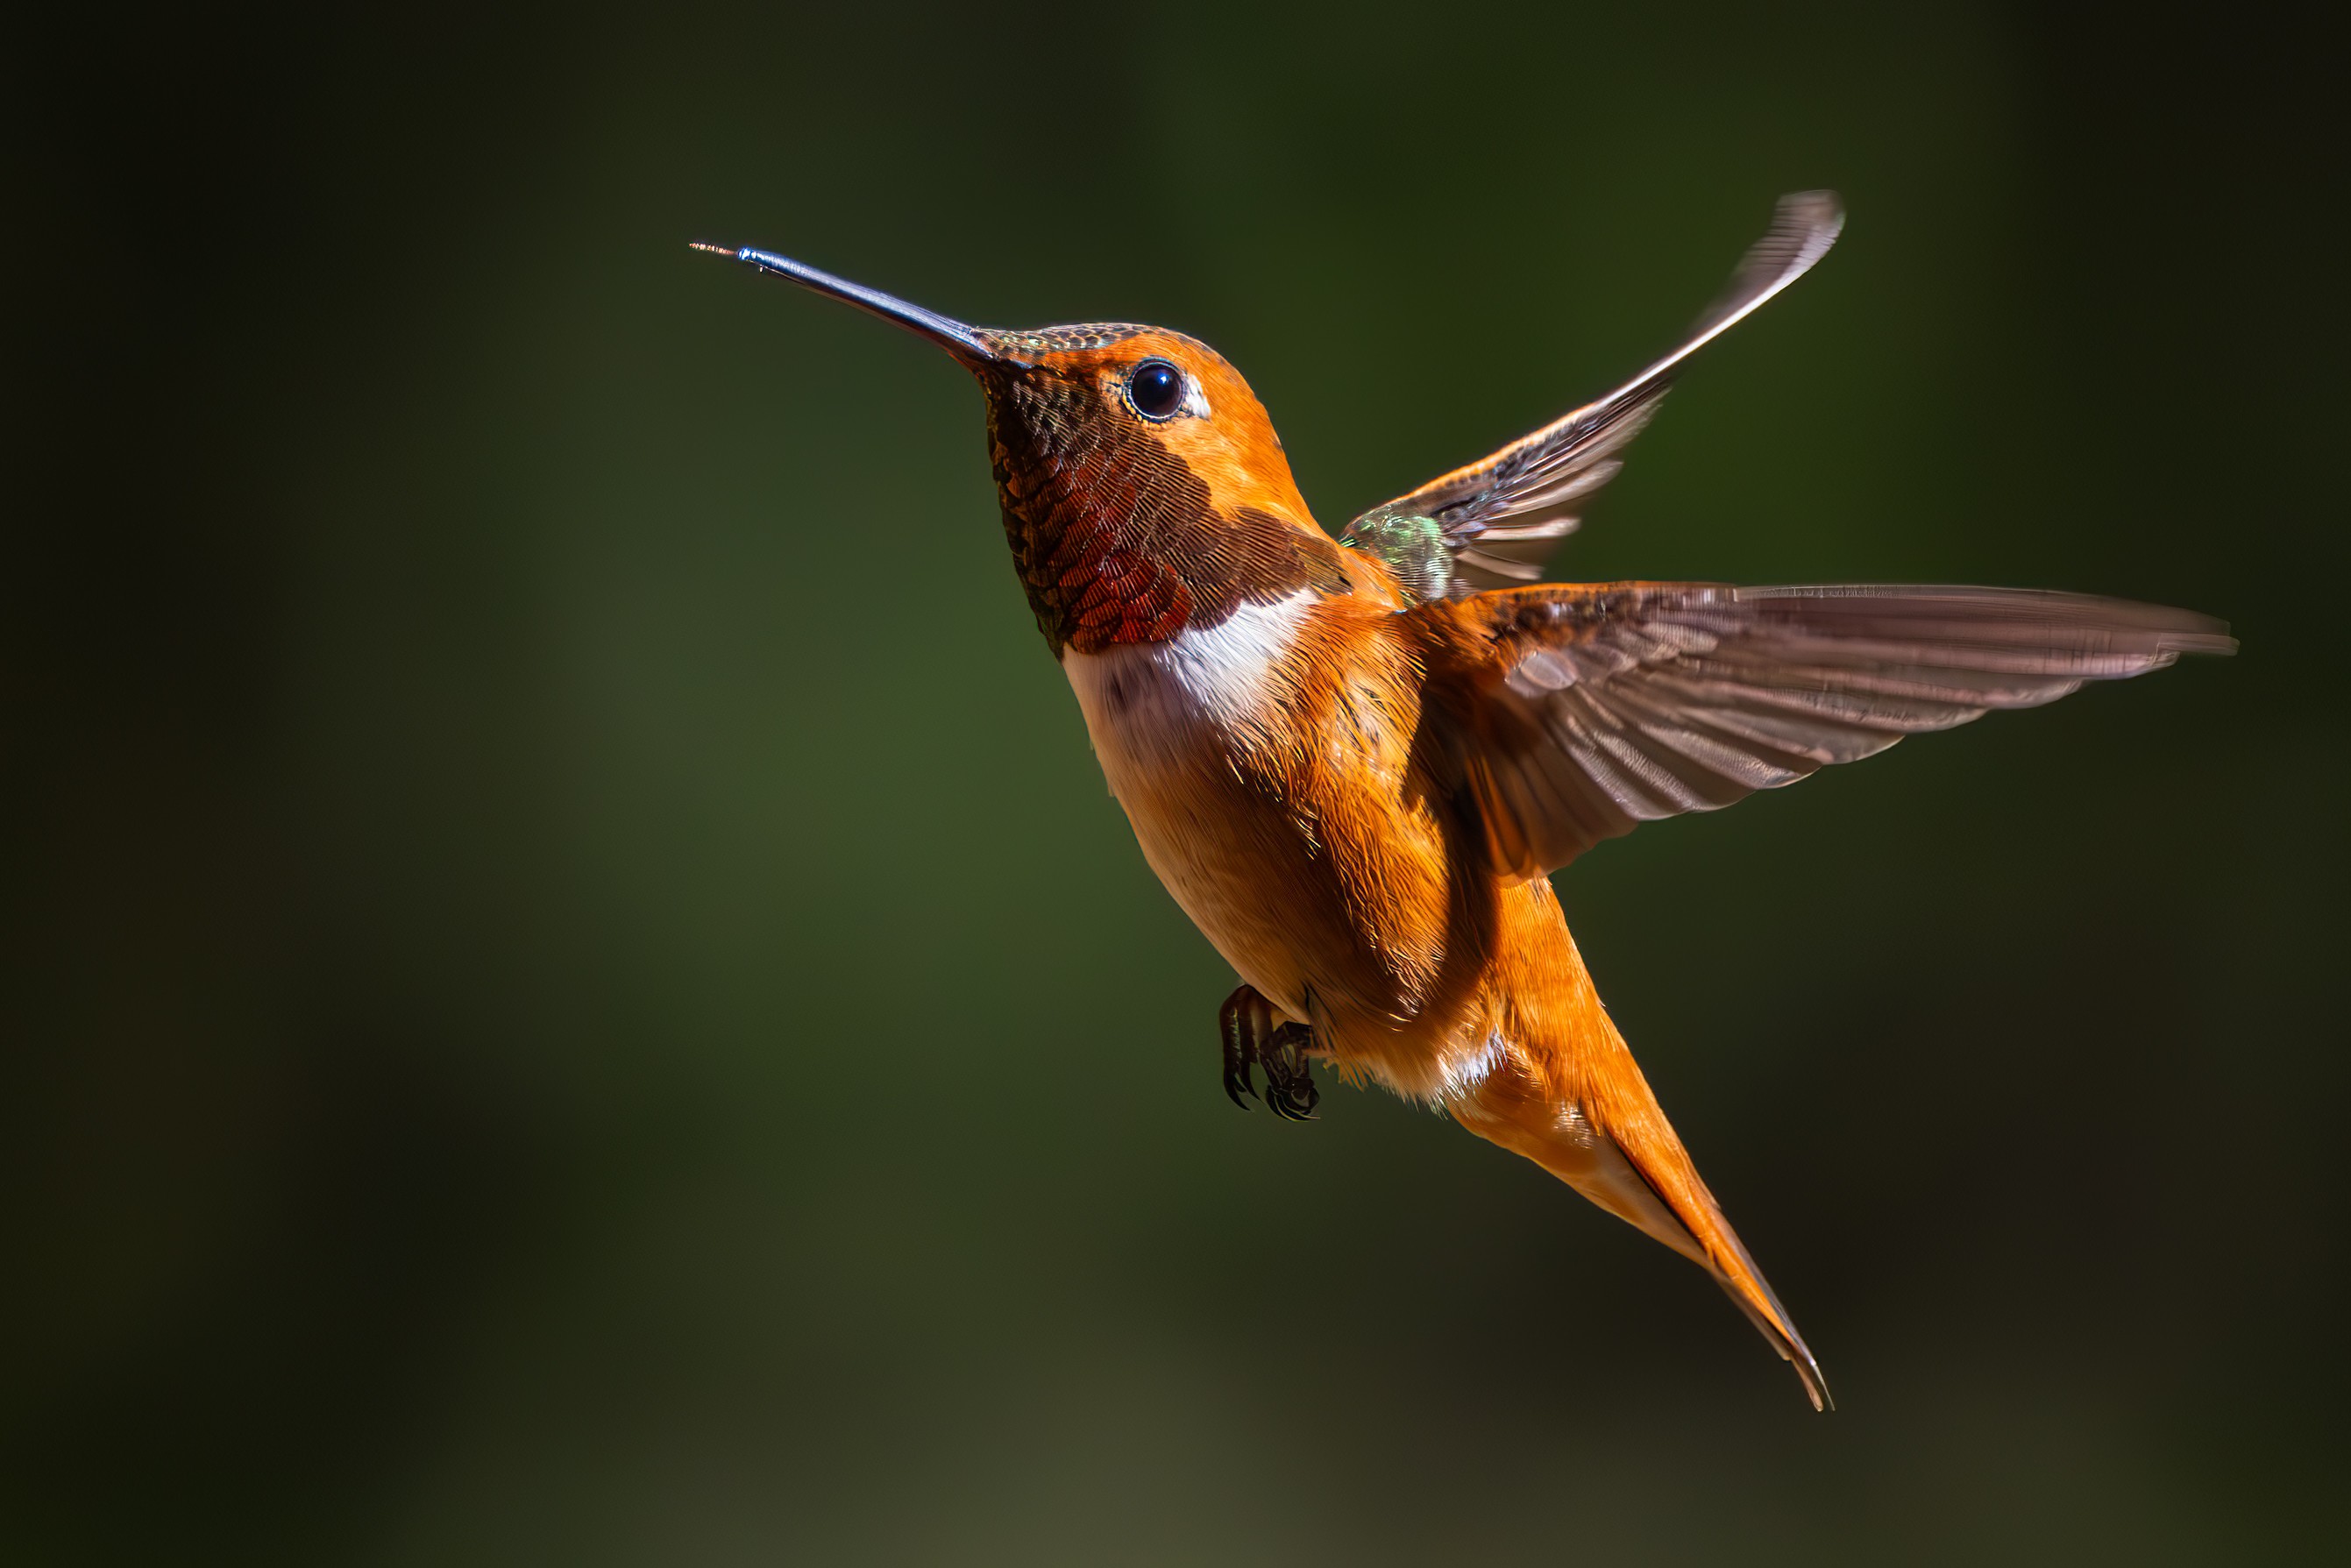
(1115, 537)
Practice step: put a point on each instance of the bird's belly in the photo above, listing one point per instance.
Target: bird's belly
(1160, 727)
(1321, 906)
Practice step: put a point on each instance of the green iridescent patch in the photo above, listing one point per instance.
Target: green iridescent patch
(1411, 547)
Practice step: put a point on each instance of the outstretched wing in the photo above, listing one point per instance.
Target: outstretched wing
(1513, 502)
(1567, 715)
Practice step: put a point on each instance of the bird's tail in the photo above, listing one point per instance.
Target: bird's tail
(1590, 1119)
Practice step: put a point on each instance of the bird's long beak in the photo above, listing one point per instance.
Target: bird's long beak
(967, 344)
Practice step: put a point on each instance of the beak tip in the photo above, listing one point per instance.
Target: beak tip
(971, 345)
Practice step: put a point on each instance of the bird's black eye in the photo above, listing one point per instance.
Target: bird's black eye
(1156, 389)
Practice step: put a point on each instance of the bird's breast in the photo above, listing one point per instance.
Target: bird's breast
(1262, 762)
(1153, 708)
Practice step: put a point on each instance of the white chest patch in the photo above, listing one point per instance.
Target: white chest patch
(1145, 701)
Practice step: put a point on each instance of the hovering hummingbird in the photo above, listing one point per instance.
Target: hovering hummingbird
(1355, 761)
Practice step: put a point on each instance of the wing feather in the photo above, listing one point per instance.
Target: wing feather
(1538, 481)
(1573, 712)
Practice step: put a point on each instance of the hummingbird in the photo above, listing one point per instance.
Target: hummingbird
(1355, 761)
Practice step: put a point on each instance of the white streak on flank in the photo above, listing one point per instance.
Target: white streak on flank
(1576, 1127)
(1463, 1073)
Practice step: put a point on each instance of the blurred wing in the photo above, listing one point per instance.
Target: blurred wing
(1573, 713)
(1514, 503)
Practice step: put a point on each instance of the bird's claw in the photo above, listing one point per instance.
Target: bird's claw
(1250, 1036)
(1295, 1108)
(1237, 1022)
(1289, 1091)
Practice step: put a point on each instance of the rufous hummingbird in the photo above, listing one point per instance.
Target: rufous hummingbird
(1355, 761)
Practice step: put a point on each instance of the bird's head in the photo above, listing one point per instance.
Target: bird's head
(1144, 488)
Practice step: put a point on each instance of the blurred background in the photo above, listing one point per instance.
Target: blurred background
(577, 996)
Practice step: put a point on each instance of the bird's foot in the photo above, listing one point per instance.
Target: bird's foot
(1289, 1091)
(1251, 1037)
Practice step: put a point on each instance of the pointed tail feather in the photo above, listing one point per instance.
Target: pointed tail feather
(1616, 1148)
(1697, 1228)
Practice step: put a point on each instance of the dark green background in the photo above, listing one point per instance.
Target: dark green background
(577, 995)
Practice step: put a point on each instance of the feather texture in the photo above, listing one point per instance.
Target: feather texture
(1580, 711)
(1541, 478)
